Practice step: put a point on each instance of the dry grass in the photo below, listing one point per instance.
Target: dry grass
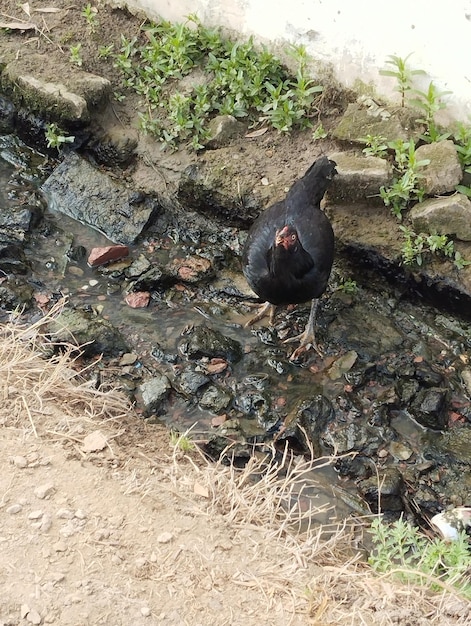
(320, 570)
(43, 390)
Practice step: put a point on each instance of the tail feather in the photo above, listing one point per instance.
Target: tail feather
(314, 183)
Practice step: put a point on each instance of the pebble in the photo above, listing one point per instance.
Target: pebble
(19, 461)
(34, 515)
(60, 546)
(165, 537)
(33, 617)
(65, 514)
(94, 442)
(145, 611)
(14, 509)
(42, 491)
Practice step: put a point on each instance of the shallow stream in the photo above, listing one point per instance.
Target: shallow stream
(380, 352)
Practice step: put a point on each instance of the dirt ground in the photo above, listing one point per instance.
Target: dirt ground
(103, 522)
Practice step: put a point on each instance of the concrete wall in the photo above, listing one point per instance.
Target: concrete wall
(355, 36)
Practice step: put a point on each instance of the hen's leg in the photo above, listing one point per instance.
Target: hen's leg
(308, 337)
(264, 310)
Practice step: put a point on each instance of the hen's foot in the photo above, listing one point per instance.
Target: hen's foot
(307, 339)
(265, 310)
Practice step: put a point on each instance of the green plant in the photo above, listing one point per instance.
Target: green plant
(245, 82)
(462, 138)
(430, 102)
(376, 145)
(319, 132)
(181, 441)
(406, 185)
(105, 51)
(55, 137)
(90, 12)
(75, 54)
(348, 286)
(402, 73)
(401, 550)
(417, 245)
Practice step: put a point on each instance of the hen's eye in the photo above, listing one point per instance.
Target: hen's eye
(293, 237)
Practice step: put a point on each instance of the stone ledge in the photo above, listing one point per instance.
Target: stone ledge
(68, 96)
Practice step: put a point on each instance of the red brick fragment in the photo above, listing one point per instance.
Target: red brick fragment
(138, 299)
(100, 256)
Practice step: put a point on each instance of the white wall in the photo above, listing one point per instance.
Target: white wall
(355, 36)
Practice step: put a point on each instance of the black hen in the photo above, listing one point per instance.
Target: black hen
(289, 251)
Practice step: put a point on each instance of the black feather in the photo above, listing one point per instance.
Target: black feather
(298, 273)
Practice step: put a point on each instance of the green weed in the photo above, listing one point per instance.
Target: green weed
(56, 137)
(104, 52)
(181, 441)
(417, 245)
(403, 551)
(237, 79)
(429, 103)
(319, 132)
(90, 13)
(376, 145)
(348, 286)
(402, 73)
(406, 185)
(75, 54)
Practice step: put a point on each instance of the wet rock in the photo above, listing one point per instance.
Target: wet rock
(77, 253)
(138, 299)
(358, 467)
(466, 376)
(92, 334)
(453, 446)
(208, 342)
(311, 419)
(255, 404)
(385, 489)
(156, 277)
(15, 222)
(101, 256)
(352, 436)
(236, 452)
(15, 293)
(443, 172)
(450, 215)
(215, 399)
(192, 269)
(153, 393)
(429, 408)
(427, 500)
(342, 365)
(366, 117)
(426, 375)
(222, 130)
(359, 178)
(138, 267)
(33, 84)
(400, 451)
(7, 116)
(88, 195)
(406, 390)
(189, 381)
(13, 259)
